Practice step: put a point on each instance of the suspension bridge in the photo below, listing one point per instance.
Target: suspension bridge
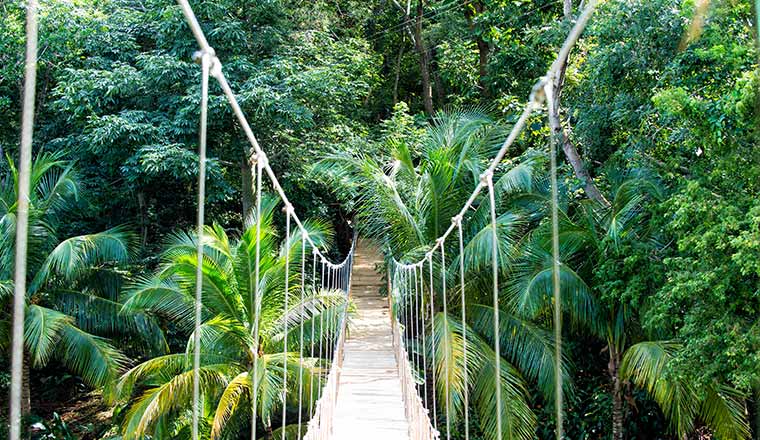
(378, 377)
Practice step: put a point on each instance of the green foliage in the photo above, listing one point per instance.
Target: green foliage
(158, 392)
(61, 270)
(666, 86)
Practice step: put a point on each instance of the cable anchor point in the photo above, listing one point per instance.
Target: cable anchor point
(486, 178)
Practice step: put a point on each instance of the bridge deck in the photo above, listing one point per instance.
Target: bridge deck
(369, 404)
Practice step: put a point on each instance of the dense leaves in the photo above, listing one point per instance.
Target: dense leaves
(383, 114)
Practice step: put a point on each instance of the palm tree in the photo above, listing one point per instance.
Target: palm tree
(407, 203)
(72, 294)
(159, 391)
(595, 239)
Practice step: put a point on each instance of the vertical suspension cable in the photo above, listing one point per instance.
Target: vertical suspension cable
(22, 220)
(415, 325)
(313, 319)
(321, 328)
(300, 340)
(333, 317)
(288, 212)
(447, 343)
(256, 300)
(432, 340)
(557, 298)
(330, 315)
(401, 304)
(424, 336)
(458, 220)
(488, 177)
(420, 340)
(205, 67)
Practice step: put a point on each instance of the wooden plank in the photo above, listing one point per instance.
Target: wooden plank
(369, 404)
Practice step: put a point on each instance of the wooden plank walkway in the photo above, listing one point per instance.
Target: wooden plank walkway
(369, 404)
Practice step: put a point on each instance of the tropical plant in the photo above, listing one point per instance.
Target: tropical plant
(408, 203)
(159, 391)
(609, 244)
(72, 287)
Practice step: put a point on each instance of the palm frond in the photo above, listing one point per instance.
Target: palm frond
(74, 256)
(529, 347)
(235, 395)
(724, 411)
(169, 397)
(107, 318)
(161, 296)
(93, 358)
(42, 332)
(645, 365)
(720, 407)
(517, 418)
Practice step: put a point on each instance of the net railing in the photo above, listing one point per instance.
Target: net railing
(408, 317)
(321, 423)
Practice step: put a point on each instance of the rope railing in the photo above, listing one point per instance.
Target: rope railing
(407, 309)
(321, 423)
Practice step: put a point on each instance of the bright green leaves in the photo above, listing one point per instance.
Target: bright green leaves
(518, 419)
(720, 407)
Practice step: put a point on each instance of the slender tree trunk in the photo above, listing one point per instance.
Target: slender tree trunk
(571, 153)
(26, 386)
(567, 9)
(437, 83)
(559, 130)
(398, 69)
(483, 49)
(246, 187)
(419, 44)
(26, 394)
(613, 368)
(142, 206)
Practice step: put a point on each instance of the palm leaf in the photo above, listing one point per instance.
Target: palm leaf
(93, 358)
(527, 346)
(74, 256)
(235, 395)
(42, 332)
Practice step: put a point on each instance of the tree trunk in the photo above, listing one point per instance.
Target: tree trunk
(439, 94)
(269, 432)
(26, 396)
(613, 368)
(571, 153)
(567, 145)
(419, 44)
(483, 48)
(567, 9)
(398, 69)
(142, 206)
(26, 387)
(246, 187)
